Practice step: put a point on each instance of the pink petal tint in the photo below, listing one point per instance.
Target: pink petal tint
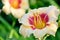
(44, 17)
(36, 19)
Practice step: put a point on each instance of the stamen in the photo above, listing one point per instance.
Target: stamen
(39, 21)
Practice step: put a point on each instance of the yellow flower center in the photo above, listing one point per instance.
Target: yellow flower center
(15, 3)
(38, 21)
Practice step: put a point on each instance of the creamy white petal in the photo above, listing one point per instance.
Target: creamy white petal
(17, 13)
(53, 13)
(24, 4)
(38, 11)
(5, 1)
(24, 19)
(6, 8)
(52, 10)
(25, 31)
(40, 33)
(42, 10)
(52, 29)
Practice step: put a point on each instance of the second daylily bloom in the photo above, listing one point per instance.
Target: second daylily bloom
(16, 7)
(39, 22)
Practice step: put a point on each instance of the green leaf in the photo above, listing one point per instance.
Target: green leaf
(50, 37)
(32, 4)
(59, 20)
(57, 37)
(1, 38)
(59, 17)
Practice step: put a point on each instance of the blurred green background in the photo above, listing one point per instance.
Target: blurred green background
(9, 26)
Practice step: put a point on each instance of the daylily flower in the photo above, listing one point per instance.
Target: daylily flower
(39, 22)
(16, 7)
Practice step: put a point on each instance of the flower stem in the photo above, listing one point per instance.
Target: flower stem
(13, 32)
(43, 37)
(14, 22)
